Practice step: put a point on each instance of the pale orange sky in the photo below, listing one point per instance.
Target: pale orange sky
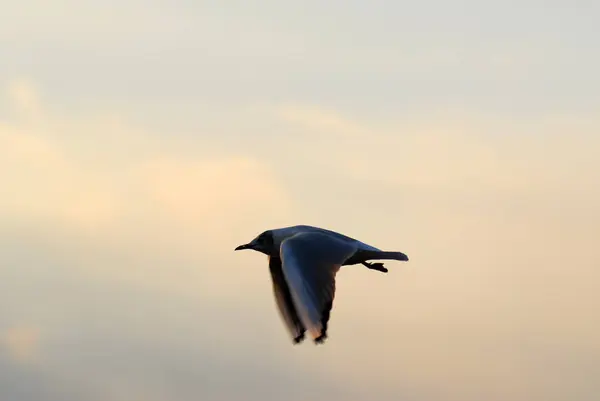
(135, 159)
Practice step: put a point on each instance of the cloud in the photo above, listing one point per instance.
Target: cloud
(24, 96)
(455, 149)
(43, 184)
(21, 343)
(96, 189)
(321, 121)
(215, 195)
(499, 219)
(93, 174)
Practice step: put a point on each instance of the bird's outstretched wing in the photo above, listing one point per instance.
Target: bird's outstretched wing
(283, 298)
(310, 262)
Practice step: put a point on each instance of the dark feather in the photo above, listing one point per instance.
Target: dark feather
(284, 301)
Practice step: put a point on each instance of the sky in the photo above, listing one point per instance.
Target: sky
(140, 142)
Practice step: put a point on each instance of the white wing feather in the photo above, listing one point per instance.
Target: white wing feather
(310, 261)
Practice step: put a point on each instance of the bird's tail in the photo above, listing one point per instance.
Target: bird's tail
(384, 255)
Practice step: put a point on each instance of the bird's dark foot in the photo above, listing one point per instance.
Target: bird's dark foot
(299, 339)
(376, 266)
(321, 339)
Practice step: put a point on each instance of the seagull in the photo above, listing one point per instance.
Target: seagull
(303, 262)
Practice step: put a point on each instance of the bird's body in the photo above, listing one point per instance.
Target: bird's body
(303, 262)
(281, 234)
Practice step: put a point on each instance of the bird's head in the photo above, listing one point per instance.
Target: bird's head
(263, 243)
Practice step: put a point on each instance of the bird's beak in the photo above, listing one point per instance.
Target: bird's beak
(245, 246)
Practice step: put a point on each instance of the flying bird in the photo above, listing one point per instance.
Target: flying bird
(303, 261)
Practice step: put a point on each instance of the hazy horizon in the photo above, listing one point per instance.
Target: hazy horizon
(140, 142)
